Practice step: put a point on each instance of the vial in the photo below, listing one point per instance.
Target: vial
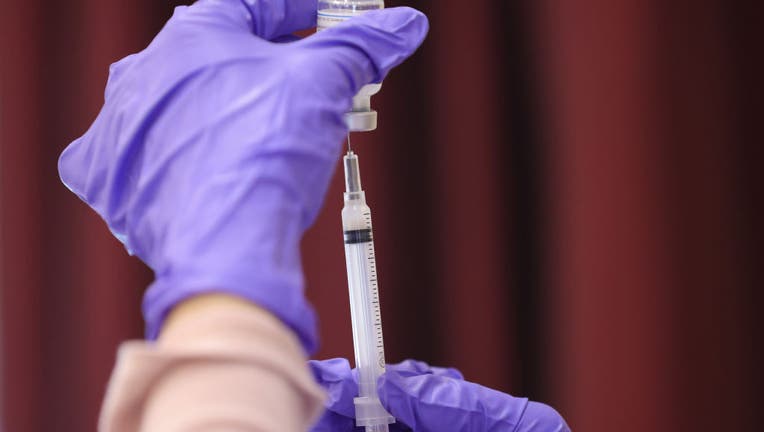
(361, 117)
(332, 12)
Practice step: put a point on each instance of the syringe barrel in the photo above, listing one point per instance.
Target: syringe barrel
(365, 310)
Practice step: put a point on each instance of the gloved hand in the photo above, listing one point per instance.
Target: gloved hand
(214, 148)
(341, 386)
(425, 398)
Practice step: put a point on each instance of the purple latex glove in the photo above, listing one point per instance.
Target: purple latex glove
(425, 398)
(214, 148)
(341, 386)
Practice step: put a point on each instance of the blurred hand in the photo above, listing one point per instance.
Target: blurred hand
(425, 398)
(213, 150)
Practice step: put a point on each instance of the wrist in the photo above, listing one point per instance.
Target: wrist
(180, 319)
(220, 360)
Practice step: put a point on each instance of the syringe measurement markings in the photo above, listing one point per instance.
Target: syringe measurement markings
(373, 285)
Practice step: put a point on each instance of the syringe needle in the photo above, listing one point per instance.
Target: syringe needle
(349, 149)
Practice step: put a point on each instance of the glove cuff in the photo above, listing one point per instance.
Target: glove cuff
(284, 300)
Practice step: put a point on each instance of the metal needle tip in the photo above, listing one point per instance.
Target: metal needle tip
(350, 150)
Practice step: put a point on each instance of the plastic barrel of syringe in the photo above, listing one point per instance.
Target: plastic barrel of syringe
(330, 13)
(365, 311)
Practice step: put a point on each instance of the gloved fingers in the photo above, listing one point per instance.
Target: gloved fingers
(394, 427)
(447, 372)
(330, 370)
(340, 383)
(541, 417)
(435, 403)
(268, 19)
(289, 38)
(273, 18)
(332, 422)
(363, 49)
(415, 367)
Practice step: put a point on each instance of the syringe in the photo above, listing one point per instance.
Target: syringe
(364, 300)
(359, 243)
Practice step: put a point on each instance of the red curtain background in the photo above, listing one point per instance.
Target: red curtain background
(565, 199)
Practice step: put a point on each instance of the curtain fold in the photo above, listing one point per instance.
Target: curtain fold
(649, 256)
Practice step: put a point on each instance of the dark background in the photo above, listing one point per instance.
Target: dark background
(565, 198)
